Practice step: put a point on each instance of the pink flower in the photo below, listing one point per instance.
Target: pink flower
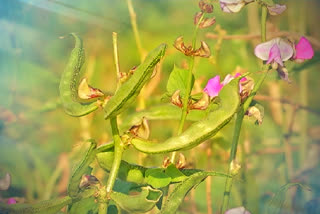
(238, 210)
(303, 50)
(274, 51)
(233, 6)
(214, 86)
(276, 9)
(11, 201)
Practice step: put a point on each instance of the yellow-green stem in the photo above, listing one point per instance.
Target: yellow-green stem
(185, 100)
(118, 151)
(240, 115)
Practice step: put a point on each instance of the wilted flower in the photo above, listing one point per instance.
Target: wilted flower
(201, 104)
(237, 210)
(205, 7)
(203, 51)
(233, 6)
(303, 50)
(176, 99)
(85, 91)
(276, 9)
(206, 22)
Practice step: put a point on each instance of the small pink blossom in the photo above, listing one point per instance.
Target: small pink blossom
(213, 86)
(237, 210)
(11, 201)
(233, 6)
(303, 50)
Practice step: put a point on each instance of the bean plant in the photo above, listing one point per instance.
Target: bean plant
(162, 189)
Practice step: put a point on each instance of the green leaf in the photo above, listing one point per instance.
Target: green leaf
(267, 2)
(143, 202)
(175, 174)
(84, 206)
(178, 81)
(44, 207)
(157, 178)
(128, 91)
(180, 191)
(81, 169)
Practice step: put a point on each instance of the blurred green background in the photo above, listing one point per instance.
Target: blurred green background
(39, 142)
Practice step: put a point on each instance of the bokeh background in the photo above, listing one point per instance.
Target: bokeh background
(39, 142)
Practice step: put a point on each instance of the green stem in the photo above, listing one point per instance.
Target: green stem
(185, 100)
(240, 115)
(263, 23)
(118, 151)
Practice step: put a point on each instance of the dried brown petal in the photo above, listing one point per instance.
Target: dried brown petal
(182, 161)
(203, 51)
(201, 104)
(176, 99)
(88, 180)
(255, 113)
(86, 92)
(246, 86)
(205, 7)
(207, 22)
(141, 130)
(166, 162)
(197, 17)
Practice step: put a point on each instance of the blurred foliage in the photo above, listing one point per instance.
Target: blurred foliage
(36, 135)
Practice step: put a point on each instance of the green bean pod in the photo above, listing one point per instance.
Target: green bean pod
(201, 130)
(70, 81)
(129, 90)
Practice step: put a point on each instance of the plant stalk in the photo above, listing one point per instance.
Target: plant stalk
(118, 151)
(185, 100)
(238, 124)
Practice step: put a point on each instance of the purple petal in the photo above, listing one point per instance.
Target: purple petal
(213, 86)
(276, 9)
(275, 55)
(233, 6)
(263, 50)
(304, 49)
(11, 201)
(238, 210)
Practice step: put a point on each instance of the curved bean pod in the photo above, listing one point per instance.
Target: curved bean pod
(198, 131)
(69, 83)
(129, 90)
